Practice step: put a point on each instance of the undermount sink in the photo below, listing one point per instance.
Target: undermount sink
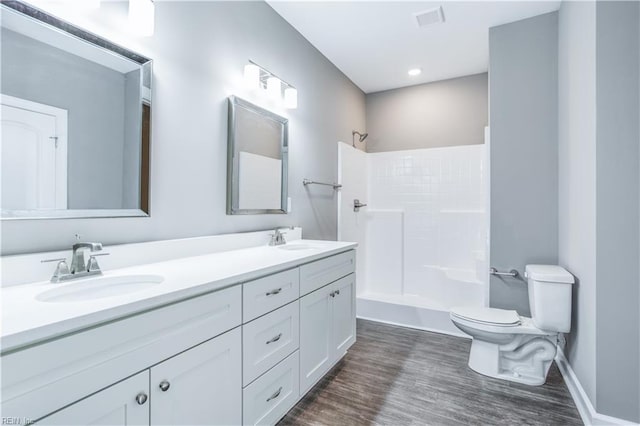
(302, 246)
(98, 288)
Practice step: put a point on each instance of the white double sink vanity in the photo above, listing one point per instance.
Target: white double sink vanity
(217, 336)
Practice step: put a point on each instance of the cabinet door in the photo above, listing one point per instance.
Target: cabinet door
(125, 403)
(202, 385)
(315, 336)
(344, 315)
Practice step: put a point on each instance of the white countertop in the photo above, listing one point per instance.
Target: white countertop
(26, 320)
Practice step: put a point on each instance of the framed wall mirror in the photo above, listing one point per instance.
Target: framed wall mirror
(76, 116)
(257, 162)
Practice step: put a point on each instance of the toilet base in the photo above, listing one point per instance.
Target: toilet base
(526, 359)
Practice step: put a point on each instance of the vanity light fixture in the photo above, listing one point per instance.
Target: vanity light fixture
(142, 17)
(257, 77)
(414, 72)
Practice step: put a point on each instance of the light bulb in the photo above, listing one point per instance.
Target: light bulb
(67, 7)
(274, 89)
(142, 17)
(252, 76)
(290, 98)
(84, 4)
(87, 4)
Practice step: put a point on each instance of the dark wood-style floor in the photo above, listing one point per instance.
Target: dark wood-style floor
(399, 376)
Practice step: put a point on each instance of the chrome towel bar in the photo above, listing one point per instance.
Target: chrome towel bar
(306, 182)
(512, 273)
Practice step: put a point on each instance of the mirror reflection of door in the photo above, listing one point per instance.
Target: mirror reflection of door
(33, 155)
(55, 76)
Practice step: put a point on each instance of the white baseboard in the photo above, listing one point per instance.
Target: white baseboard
(588, 413)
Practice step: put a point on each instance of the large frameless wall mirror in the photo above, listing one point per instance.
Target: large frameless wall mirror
(257, 160)
(76, 112)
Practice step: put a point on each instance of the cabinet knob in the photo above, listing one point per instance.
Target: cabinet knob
(165, 385)
(337, 292)
(332, 294)
(141, 398)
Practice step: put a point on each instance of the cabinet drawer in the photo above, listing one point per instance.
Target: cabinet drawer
(266, 294)
(268, 399)
(269, 339)
(322, 272)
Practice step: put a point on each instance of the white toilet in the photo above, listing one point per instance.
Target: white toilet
(512, 347)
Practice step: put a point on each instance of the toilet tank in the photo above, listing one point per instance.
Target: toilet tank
(550, 288)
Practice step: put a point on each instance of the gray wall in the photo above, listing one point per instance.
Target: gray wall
(523, 80)
(599, 197)
(444, 113)
(617, 210)
(577, 180)
(199, 51)
(37, 72)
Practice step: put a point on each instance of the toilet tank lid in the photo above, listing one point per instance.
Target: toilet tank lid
(549, 273)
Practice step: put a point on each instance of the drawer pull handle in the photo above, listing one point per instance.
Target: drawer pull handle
(165, 385)
(276, 291)
(275, 395)
(274, 339)
(141, 398)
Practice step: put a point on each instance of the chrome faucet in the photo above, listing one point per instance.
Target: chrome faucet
(79, 266)
(277, 238)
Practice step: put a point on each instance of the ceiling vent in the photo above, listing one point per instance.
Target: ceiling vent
(429, 17)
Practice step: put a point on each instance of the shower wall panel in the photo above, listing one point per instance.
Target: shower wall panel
(427, 207)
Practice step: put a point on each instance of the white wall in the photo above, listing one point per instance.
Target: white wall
(199, 51)
(577, 179)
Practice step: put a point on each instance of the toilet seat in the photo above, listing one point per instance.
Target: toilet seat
(488, 316)
(525, 325)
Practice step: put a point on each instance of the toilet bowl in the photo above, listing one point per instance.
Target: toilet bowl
(519, 352)
(512, 347)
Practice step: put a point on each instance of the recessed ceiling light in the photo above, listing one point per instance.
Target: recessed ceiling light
(414, 71)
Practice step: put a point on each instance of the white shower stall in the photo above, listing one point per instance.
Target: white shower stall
(423, 236)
